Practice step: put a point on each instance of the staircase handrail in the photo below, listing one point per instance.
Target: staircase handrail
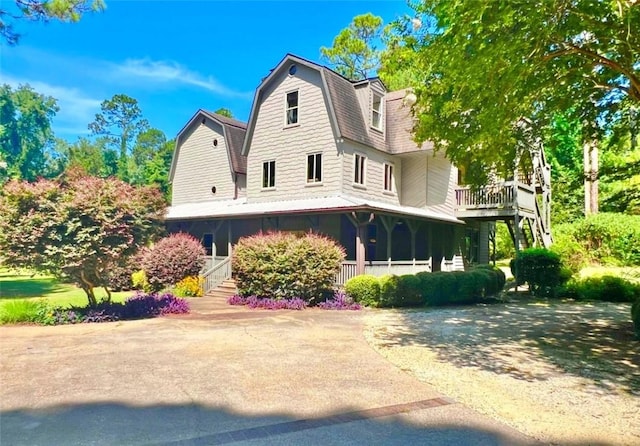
(217, 274)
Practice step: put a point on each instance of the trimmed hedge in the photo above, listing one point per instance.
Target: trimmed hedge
(541, 269)
(364, 289)
(283, 265)
(605, 288)
(433, 289)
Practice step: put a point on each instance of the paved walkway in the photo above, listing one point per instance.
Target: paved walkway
(221, 375)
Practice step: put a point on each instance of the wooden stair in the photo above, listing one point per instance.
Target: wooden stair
(215, 301)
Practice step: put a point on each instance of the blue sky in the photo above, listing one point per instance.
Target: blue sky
(174, 57)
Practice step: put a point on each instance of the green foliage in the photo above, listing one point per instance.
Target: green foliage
(76, 227)
(484, 65)
(504, 244)
(635, 317)
(541, 269)
(283, 265)
(223, 111)
(24, 311)
(120, 122)
(607, 239)
(190, 286)
(606, 288)
(25, 131)
(43, 11)
(354, 54)
(364, 289)
(172, 259)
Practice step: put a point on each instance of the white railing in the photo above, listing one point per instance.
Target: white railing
(216, 275)
(455, 264)
(210, 262)
(383, 267)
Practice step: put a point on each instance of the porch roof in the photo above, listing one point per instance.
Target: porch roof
(240, 208)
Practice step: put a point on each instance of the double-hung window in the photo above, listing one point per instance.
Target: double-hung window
(376, 112)
(291, 109)
(359, 167)
(388, 177)
(314, 168)
(268, 174)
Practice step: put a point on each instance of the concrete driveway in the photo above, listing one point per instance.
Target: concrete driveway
(228, 376)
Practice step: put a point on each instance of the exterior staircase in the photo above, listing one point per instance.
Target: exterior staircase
(523, 203)
(215, 301)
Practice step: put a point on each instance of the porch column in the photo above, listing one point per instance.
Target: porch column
(389, 223)
(214, 231)
(229, 248)
(413, 226)
(360, 222)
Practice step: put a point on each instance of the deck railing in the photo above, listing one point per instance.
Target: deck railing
(217, 274)
(210, 262)
(506, 195)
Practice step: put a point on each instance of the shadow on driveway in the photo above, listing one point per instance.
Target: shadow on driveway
(591, 340)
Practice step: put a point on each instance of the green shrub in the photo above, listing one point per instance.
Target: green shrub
(172, 259)
(541, 269)
(282, 265)
(496, 278)
(364, 289)
(604, 238)
(605, 288)
(409, 292)
(24, 310)
(635, 317)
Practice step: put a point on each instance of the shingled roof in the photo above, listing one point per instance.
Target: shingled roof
(352, 122)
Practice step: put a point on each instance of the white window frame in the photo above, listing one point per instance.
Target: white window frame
(388, 180)
(287, 109)
(314, 176)
(270, 175)
(359, 169)
(377, 112)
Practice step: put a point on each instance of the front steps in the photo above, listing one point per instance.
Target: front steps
(215, 301)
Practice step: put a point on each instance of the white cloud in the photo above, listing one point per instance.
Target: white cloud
(76, 108)
(173, 73)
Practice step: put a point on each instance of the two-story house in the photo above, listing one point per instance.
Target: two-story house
(321, 153)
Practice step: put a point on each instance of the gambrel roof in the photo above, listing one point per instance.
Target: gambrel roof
(233, 132)
(349, 120)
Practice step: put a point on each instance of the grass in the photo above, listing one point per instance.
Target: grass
(631, 273)
(24, 285)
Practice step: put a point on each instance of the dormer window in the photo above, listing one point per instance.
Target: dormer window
(376, 112)
(291, 112)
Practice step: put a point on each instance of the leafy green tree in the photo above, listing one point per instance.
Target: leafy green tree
(486, 64)
(120, 122)
(43, 11)
(354, 53)
(223, 111)
(77, 227)
(25, 130)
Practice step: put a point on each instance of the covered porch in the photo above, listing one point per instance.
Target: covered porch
(377, 241)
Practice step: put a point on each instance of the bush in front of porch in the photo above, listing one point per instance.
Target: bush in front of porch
(284, 265)
(432, 289)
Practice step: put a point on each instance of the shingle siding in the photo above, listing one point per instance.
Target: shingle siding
(289, 146)
(201, 166)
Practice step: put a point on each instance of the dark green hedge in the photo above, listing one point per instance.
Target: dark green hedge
(433, 289)
(541, 269)
(605, 288)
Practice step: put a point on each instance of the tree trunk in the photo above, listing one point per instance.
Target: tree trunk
(88, 288)
(590, 154)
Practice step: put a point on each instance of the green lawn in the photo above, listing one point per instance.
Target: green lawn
(23, 285)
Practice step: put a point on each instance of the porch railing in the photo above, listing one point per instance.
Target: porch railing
(217, 274)
(383, 267)
(210, 262)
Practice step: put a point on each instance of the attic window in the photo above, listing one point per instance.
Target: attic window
(204, 120)
(215, 142)
(292, 70)
(292, 108)
(376, 112)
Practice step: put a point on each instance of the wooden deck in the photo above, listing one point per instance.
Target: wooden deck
(498, 201)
